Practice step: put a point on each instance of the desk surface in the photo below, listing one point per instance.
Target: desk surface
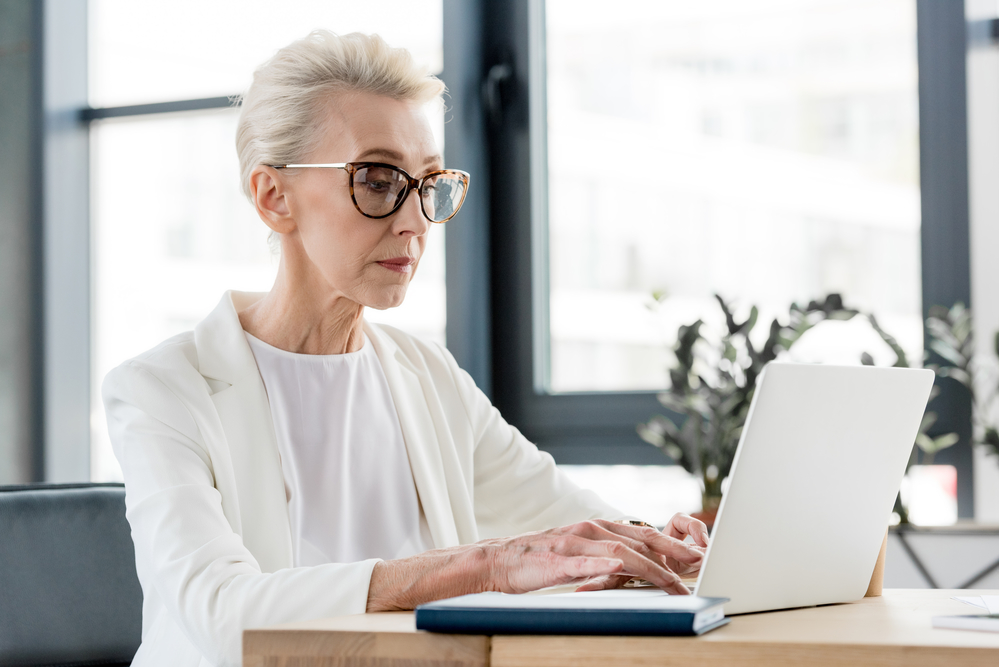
(888, 631)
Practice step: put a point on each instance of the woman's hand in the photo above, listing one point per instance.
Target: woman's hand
(599, 554)
(679, 527)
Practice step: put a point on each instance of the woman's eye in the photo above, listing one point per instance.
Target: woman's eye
(377, 186)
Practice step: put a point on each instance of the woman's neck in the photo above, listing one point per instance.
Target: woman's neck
(302, 316)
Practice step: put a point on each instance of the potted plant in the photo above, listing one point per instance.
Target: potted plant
(711, 388)
(712, 381)
(951, 337)
(929, 445)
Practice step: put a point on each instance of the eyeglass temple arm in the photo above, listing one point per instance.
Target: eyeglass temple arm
(338, 165)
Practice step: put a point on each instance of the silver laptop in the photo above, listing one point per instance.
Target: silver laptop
(812, 486)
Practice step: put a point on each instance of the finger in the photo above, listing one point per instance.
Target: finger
(579, 546)
(635, 564)
(682, 525)
(670, 547)
(573, 568)
(575, 545)
(604, 583)
(540, 569)
(685, 571)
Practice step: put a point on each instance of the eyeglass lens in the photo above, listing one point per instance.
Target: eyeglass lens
(378, 192)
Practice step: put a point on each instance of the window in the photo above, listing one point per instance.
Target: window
(765, 151)
(795, 148)
(185, 49)
(170, 229)
(574, 383)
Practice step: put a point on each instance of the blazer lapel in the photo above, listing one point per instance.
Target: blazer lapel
(226, 362)
(419, 434)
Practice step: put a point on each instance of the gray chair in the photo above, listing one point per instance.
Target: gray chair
(69, 594)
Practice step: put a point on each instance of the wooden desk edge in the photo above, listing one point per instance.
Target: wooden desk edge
(392, 639)
(270, 647)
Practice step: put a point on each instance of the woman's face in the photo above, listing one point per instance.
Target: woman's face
(369, 261)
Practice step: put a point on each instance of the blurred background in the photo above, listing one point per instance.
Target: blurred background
(629, 162)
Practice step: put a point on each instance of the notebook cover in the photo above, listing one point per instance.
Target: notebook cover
(536, 619)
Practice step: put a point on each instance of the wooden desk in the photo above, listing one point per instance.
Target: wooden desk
(889, 631)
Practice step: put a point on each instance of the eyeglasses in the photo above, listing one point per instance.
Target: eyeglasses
(378, 189)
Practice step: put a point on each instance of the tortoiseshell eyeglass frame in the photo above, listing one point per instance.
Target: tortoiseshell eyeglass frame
(411, 184)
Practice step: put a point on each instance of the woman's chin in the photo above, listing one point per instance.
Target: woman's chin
(388, 299)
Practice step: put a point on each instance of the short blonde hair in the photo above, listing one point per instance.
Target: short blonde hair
(282, 110)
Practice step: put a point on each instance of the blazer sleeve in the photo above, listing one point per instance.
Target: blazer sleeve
(517, 487)
(186, 550)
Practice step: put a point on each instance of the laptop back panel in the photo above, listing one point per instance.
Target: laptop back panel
(812, 486)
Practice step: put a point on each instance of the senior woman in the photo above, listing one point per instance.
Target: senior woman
(288, 460)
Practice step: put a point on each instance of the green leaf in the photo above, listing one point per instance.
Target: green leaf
(900, 359)
(729, 318)
(674, 453)
(650, 436)
(923, 441)
(934, 445)
(929, 419)
(947, 352)
(754, 315)
(958, 374)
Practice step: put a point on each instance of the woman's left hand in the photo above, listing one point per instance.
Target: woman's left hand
(679, 527)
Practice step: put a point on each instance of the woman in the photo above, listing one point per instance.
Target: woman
(287, 460)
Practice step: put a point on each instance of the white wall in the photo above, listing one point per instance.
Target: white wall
(983, 158)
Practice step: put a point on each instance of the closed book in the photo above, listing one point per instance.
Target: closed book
(617, 612)
(983, 623)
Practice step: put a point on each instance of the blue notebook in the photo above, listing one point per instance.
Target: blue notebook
(639, 611)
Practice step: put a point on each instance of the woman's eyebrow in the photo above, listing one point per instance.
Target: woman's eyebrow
(396, 156)
(384, 152)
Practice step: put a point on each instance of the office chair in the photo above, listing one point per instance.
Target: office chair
(69, 594)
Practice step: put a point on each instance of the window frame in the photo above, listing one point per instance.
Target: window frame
(63, 443)
(599, 427)
(496, 309)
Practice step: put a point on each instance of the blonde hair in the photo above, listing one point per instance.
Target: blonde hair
(283, 109)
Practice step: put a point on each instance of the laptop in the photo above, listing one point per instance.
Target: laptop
(812, 485)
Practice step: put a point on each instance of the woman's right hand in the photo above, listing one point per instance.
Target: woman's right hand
(590, 550)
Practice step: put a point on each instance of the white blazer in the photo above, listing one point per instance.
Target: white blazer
(205, 497)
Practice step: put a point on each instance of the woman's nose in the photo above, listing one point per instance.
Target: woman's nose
(409, 219)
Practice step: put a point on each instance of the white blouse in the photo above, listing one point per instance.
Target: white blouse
(351, 494)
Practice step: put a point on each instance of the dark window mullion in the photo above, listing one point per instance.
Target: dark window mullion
(943, 166)
(88, 114)
(577, 428)
(599, 427)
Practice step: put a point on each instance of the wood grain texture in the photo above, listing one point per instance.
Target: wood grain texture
(685, 653)
(367, 640)
(893, 630)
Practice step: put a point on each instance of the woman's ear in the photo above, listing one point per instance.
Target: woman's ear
(269, 195)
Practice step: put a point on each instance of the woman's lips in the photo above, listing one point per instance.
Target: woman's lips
(398, 264)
